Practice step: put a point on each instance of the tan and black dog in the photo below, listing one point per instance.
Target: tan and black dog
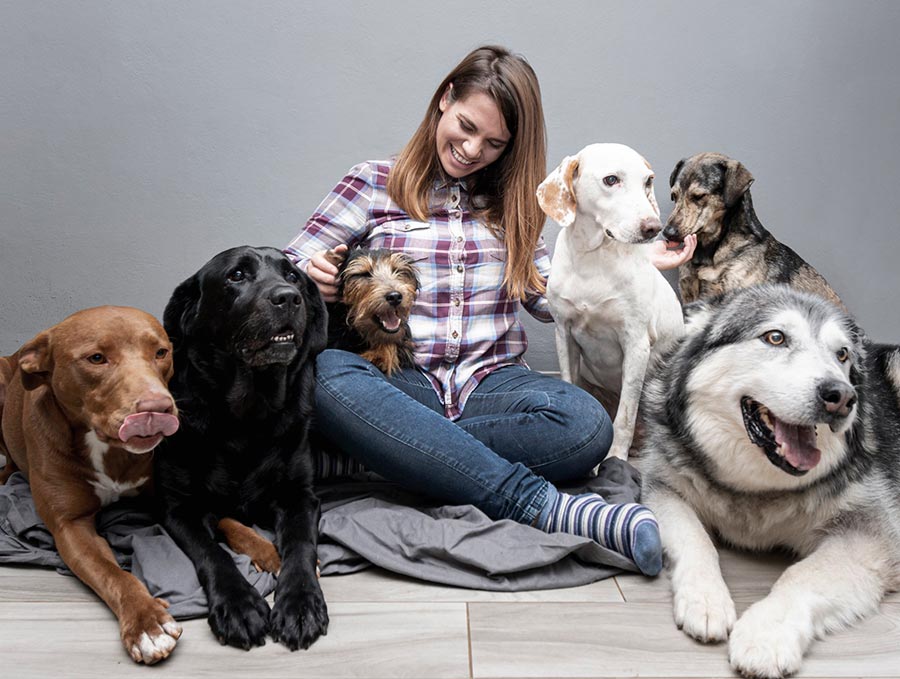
(83, 405)
(712, 199)
(377, 289)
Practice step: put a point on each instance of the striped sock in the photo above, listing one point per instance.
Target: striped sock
(629, 529)
(334, 464)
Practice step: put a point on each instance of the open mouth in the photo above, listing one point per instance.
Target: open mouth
(790, 447)
(458, 158)
(389, 321)
(282, 338)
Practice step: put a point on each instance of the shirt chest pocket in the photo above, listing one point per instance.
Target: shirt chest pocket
(413, 238)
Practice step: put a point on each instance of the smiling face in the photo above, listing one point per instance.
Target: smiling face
(471, 133)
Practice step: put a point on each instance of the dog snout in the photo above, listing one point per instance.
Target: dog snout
(671, 232)
(838, 398)
(284, 295)
(394, 298)
(154, 403)
(650, 226)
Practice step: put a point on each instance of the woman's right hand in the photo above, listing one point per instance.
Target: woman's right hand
(323, 269)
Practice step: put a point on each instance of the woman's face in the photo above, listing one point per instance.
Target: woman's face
(471, 134)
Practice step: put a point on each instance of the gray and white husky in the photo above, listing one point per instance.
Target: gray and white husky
(770, 425)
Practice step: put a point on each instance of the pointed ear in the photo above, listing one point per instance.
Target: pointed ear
(36, 361)
(556, 194)
(181, 311)
(737, 181)
(675, 171)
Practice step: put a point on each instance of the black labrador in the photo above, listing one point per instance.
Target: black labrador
(246, 329)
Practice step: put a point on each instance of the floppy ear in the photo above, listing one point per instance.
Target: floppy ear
(674, 175)
(737, 180)
(36, 361)
(181, 311)
(316, 317)
(556, 194)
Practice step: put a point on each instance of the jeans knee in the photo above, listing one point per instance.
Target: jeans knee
(587, 430)
(333, 363)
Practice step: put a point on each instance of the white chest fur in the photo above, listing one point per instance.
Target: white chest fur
(107, 489)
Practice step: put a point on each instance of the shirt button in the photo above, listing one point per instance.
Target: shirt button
(454, 334)
(456, 302)
(459, 239)
(459, 268)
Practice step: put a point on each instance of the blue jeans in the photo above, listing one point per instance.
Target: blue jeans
(519, 431)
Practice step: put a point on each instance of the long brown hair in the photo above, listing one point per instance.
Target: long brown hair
(506, 188)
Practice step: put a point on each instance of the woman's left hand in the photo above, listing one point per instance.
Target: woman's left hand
(663, 258)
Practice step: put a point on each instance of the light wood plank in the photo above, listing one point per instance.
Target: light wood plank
(376, 584)
(30, 583)
(365, 640)
(628, 640)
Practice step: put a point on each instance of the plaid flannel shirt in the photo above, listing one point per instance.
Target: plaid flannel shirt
(464, 324)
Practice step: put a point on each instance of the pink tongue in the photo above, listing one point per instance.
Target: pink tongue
(390, 320)
(148, 424)
(798, 445)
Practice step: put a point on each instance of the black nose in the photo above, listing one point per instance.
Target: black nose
(284, 294)
(671, 232)
(838, 398)
(394, 298)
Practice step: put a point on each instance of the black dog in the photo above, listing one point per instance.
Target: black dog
(246, 329)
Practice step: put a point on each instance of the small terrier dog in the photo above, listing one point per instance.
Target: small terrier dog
(377, 289)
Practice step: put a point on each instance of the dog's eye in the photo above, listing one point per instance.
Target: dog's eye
(236, 276)
(97, 359)
(610, 180)
(162, 352)
(774, 337)
(843, 354)
(291, 277)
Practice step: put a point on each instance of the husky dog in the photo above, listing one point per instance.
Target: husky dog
(769, 424)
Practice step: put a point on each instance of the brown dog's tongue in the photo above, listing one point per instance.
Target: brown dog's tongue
(798, 445)
(148, 424)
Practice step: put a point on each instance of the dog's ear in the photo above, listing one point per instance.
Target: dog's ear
(556, 194)
(737, 180)
(36, 361)
(181, 311)
(316, 316)
(674, 175)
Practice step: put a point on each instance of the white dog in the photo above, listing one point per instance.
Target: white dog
(611, 305)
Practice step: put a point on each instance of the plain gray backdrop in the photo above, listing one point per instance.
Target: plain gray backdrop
(137, 139)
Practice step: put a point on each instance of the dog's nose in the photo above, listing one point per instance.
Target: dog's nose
(394, 298)
(155, 404)
(650, 227)
(670, 232)
(284, 294)
(838, 398)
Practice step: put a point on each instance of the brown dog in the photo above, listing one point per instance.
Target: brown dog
(83, 404)
(711, 193)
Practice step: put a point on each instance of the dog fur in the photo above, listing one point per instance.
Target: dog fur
(613, 309)
(770, 426)
(83, 405)
(377, 289)
(246, 329)
(712, 199)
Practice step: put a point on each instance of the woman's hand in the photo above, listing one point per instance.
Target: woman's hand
(663, 258)
(323, 269)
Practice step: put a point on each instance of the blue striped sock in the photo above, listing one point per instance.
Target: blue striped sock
(333, 464)
(629, 529)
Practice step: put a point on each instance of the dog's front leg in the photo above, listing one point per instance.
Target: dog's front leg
(299, 616)
(238, 614)
(843, 580)
(701, 602)
(148, 632)
(634, 367)
(567, 353)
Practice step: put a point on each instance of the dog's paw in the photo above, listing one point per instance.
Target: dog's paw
(240, 617)
(151, 633)
(764, 644)
(298, 619)
(704, 610)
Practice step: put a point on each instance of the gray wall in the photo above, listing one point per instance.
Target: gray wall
(137, 139)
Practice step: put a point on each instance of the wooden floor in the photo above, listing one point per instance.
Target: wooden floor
(387, 626)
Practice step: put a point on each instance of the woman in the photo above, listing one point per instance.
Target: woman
(471, 424)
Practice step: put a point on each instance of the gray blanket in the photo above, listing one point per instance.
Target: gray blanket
(365, 521)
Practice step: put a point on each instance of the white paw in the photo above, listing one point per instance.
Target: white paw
(704, 610)
(764, 644)
(152, 649)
